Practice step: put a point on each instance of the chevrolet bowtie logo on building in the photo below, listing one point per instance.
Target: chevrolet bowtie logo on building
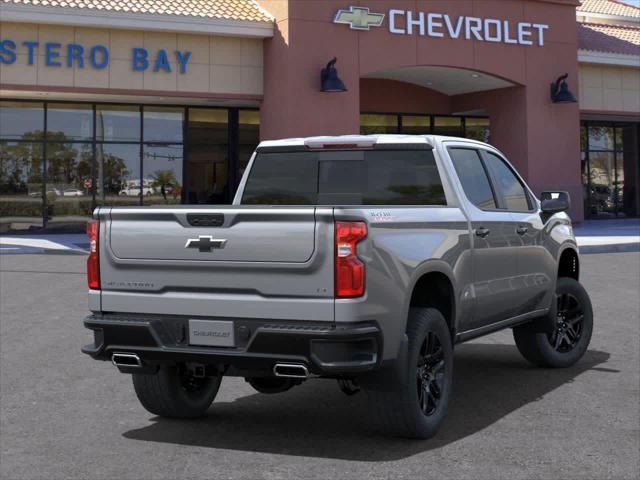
(359, 18)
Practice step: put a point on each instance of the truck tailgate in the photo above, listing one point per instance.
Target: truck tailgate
(242, 262)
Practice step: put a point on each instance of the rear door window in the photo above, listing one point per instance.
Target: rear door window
(473, 177)
(384, 177)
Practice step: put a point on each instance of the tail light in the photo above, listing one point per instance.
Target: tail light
(93, 262)
(349, 269)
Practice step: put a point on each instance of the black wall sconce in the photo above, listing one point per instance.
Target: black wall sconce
(329, 80)
(560, 92)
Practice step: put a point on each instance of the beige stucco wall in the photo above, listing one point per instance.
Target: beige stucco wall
(218, 65)
(609, 88)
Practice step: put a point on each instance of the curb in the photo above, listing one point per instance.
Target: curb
(619, 248)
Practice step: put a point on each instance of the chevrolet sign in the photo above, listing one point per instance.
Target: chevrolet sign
(441, 25)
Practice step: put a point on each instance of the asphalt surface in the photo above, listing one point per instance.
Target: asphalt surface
(63, 415)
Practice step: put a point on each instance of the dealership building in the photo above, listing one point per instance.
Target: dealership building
(108, 102)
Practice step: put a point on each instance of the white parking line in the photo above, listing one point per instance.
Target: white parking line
(595, 241)
(32, 242)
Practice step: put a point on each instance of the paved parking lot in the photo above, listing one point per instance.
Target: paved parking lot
(65, 416)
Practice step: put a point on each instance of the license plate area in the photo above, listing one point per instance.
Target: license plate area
(211, 333)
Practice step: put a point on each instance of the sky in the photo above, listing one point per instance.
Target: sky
(635, 3)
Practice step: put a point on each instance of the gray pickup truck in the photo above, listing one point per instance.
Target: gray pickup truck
(360, 258)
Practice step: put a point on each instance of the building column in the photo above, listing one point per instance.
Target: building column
(293, 104)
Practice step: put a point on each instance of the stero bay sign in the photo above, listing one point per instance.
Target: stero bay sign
(96, 56)
(442, 25)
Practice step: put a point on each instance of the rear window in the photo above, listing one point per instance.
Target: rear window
(369, 177)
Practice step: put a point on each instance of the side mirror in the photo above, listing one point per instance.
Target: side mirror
(555, 202)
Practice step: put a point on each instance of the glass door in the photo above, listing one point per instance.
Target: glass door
(610, 169)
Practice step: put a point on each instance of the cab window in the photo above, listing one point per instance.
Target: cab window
(510, 190)
(473, 177)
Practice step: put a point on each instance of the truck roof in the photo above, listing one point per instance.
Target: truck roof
(365, 141)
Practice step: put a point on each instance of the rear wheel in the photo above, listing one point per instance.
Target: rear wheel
(570, 338)
(176, 392)
(416, 407)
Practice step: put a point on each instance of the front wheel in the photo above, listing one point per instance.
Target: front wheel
(569, 340)
(175, 392)
(416, 407)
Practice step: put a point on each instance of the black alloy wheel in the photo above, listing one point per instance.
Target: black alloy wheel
(573, 327)
(430, 374)
(569, 324)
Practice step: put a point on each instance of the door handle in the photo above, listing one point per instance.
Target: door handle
(482, 232)
(522, 230)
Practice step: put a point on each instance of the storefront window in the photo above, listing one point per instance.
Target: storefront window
(477, 129)
(378, 124)
(108, 154)
(450, 126)
(21, 120)
(118, 123)
(69, 170)
(163, 124)
(601, 138)
(21, 185)
(610, 169)
(69, 122)
(416, 124)
(207, 156)
(118, 174)
(162, 174)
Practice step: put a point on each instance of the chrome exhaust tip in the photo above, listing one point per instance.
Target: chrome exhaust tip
(290, 370)
(126, 360)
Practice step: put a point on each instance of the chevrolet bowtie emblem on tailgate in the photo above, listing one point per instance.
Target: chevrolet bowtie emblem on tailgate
(205, 243)
(359, 18)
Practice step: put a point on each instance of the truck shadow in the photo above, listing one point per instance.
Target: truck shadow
(317, 420)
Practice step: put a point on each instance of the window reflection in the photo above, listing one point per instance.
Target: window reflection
(378, 124)
(118, 123)
(118, 174)
(21, 120)
(601, 138)
(67, 122)
(602, 184)
(162, 182)
(69, 198)
(450, 126)
(611, 180)
(207, 156)
(478, 129)
(416, 124)
(21, 185)
(163, 124)
(133, 155)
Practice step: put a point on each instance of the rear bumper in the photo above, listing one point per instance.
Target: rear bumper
(326, 349)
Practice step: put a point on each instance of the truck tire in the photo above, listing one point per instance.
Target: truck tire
(173, 393)
(570, 339)
(415, 406)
